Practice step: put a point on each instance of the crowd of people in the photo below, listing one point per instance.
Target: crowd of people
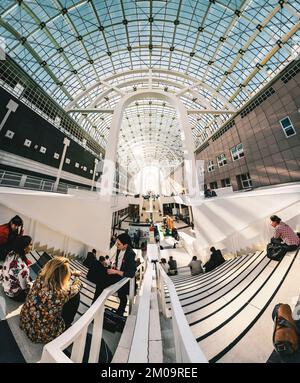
(283, 235)
(52, 299)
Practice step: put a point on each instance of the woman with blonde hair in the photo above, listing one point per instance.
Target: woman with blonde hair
(52, 303)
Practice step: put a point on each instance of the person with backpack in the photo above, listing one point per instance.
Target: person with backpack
(8, 234)
(283, 232)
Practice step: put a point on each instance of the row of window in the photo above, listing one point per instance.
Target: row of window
(243, 181)
(10, 134)
(237, 152)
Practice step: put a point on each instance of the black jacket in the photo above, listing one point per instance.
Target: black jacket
(128, 264)
(89, 259)
(216, 259)
(97, 273)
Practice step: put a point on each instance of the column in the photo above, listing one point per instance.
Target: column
(12, 106)
(94, 173)
(66, 144)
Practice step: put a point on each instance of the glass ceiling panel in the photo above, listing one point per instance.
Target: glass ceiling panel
(69, 45)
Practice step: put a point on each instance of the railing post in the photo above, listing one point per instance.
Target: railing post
(176, 341)
(22, 181)
(162, 295)
(66, 143)
(96, 337)
(78, 346)
(131, 293)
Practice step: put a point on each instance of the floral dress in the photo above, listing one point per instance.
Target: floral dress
(14, 275)
(40, 317)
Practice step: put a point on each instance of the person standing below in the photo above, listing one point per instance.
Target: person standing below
(283, 231)
(91, 255)
(14, 274)
(8, 234)
(196, 266)
(52, 302)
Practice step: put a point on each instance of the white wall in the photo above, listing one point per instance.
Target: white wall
(84, 220)
(241, 220)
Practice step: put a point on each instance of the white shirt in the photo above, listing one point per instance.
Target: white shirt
(120, 259)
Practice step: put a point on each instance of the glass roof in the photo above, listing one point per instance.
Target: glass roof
(213, 54)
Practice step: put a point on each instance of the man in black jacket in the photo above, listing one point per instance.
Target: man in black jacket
(123, 267)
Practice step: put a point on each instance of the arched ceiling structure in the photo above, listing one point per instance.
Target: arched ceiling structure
(214, 55)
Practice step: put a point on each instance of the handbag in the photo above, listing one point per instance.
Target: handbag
(285, 337)
(276, 251)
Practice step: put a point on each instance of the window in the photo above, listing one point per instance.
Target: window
(213, 185)
(57, 120)
(244, 181)
(9, 134)
(43, 149)
(237, 152)
(225, 182)
(56, 156)
(221, 160)
(210, 166)
(19, 89)
(27, 143)
(76, 165)
(84, 168)
(68, 160)
(91, 172)
(287, 127)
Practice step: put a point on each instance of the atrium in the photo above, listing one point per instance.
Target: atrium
(172, 125)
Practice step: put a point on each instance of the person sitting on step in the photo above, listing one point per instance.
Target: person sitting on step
(284, 232)
(195, 266)
(216, 259)
(52, 302)
(8, 234)
(123, 267)
(14, 274)
(173, 266)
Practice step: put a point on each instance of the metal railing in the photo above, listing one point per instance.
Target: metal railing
(23, 181)
(139, 352)
(186, 347)
(76, 335)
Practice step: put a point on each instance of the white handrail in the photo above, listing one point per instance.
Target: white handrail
(76, 334)
(186, 348)
(140, 343)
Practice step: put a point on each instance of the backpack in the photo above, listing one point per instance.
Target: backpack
(276, 251)
(285, 337)
(113, 320)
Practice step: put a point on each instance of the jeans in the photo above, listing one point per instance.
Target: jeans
(70, 309)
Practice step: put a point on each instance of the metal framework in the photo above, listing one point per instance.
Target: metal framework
(214, 55)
